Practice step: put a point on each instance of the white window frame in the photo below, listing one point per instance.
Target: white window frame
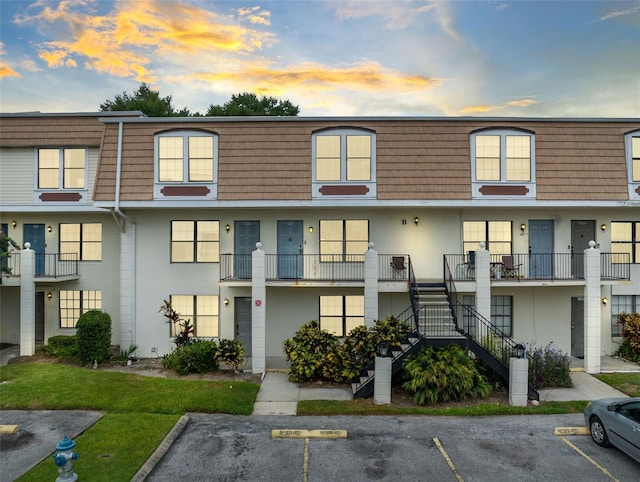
(83, 192)
(82, 243)
(194, 242)
(193, 317)
(344, 256)
(87, 300)
(617, 302)
(318, 184)
(476, 184)
(343, 314)
(633, 185)
(212, 185)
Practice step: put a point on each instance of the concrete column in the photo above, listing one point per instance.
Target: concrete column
(382, 381)
(518, 382)
(27, 301)
(258, 311)
(127, 329)
(592, 309)
(483, 287)
(370, 286)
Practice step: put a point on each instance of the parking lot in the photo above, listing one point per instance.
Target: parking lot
(232, 448)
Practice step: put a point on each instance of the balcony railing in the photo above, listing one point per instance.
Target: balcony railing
(536, 267)
(313, 267)
(47, 265)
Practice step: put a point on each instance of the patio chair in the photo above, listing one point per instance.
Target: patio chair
(399, 268)
(509, 269)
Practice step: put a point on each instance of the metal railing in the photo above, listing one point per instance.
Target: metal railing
(47, 265)
(543, 266)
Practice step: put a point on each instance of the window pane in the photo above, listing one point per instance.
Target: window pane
(621, 231)
(92, 242)
(91, 300)
(635, 158)
(182, 241)
(69, 308)
(357, 230)
(48, 168)
(358, 158)
(200, 158)
(328, 158)
(170, 159)
(518, 161)
(70, 239)
(74, 162)
(331, 230)
(487, 158)
(182, 230)
(206, 316)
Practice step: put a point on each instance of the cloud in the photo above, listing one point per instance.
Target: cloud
(474, 109)
(7, 71)
(255, 15)
(619, 13)
(128, 41)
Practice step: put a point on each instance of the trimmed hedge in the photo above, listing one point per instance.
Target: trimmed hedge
(93, 333)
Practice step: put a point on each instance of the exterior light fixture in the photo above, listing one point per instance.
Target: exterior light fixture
(226, 301)
(518, 351)
(603, 227)
(49, 295)
(14, 223)
(227, 228)
(523, 227)
(416, 220)
(49, 229)
(311, 229)
(605, 300)
(383, 350)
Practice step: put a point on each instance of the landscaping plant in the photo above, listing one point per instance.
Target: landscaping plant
(199, 356)
(93, 336)
(181, 327)
(436, 375)
(630, 347)
(62, 347)
(307, 352)
(231, 352)
(549, 368)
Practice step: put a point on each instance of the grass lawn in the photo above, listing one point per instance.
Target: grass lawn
(628, 383)
(140, 411)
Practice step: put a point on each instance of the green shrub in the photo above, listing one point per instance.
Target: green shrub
(93, 332)
(231, 352)
(307, 352)
(628, 352)
(63, 347)
(442, 375)
(549, 368)
(199, 356)
(181, 327)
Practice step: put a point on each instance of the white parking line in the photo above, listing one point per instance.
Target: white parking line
(448, 459)
(596, 464)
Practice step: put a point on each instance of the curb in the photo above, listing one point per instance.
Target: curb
(162, 449)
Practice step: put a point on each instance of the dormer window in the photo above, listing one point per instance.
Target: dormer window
(186, 163)
(62, 168)
(632, 149)
(503, 163)
(344, 163)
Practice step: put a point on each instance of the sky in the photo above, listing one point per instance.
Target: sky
(481, 58)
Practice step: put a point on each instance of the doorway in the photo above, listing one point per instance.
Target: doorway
(541, 248)
(246, 235)
(577, 327)
(581, 233)
(290, 259)
(34, 234)
(242, 321)
(39, 318)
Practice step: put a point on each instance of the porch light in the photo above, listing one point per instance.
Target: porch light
(523, 227)
(518, 351)
(227, 228)
(49, 295)
(49, 229)
(14, 223)
(416, 220)
(226, 301)
(603, 227)
(311, 229)
(605, 300)
(383, 350)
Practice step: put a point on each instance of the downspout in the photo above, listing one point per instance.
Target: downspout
(121, 219)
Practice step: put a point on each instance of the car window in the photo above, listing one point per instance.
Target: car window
(631, 410)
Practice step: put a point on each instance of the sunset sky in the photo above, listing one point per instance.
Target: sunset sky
(366, 57)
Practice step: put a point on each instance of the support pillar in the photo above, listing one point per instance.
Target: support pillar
(382, 381)
(370, 286)
(518, 382)
(27, 301)
(592, 309)
(483, 287)
(258, 311)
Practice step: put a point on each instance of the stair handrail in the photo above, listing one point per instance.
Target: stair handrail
(413, 294)
(450, 288)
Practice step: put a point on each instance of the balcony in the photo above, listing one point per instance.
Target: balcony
(49, 267)
(539, 267)
(313, 268)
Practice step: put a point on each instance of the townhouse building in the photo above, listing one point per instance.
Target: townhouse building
(252, 226)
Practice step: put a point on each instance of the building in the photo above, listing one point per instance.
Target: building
(357, 218)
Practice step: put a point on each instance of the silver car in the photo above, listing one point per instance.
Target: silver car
(615, 421)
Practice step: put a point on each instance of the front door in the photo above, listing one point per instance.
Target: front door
(242, 319)
(290, 259)
(247, 234)
(34, 234)
(581, 233)
(577, 327)
(39, 318)
(541, 248)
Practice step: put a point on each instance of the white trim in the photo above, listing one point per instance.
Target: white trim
(632, 185)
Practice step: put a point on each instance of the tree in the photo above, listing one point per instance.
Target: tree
(146, 100)
(246, 104)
